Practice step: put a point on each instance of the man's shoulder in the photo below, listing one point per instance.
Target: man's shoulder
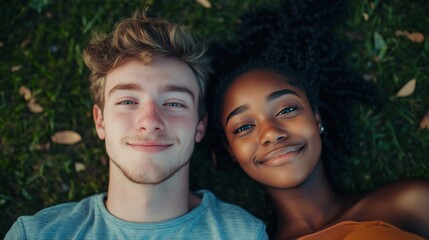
(61, 215)
(64, 210)
(214, 203)
(229, 217)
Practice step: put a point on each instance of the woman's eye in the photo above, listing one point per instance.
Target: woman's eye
(286, 110)
(242, 128)
(174, 104)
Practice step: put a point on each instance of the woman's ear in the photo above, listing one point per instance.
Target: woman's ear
(319, 122)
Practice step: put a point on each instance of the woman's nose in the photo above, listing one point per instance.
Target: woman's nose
(271, 132)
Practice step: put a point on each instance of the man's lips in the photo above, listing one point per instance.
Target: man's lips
(149, 146)
(281, 155)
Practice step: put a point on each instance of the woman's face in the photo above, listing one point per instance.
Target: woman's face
(271, 129)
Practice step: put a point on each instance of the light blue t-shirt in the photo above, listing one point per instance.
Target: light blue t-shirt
(89, 219)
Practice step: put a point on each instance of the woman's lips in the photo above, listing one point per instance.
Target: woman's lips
(282, 155)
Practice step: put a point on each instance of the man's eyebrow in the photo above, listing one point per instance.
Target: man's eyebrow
(277, 94)
(125, 86)
(236, 111)
(176, 88)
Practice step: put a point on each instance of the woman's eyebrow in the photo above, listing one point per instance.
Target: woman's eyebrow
(271, 97)
(277, 94)
(235, 112)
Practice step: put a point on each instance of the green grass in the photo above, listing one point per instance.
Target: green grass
(391, 145)
(45, 39)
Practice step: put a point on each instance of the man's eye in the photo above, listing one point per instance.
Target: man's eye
(127, 102)
(286, 110)
(242, 128)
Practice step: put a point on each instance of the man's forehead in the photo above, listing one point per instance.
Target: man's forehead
(162, 71)
(163, 88)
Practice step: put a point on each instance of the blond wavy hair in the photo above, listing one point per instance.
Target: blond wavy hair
(144, 38)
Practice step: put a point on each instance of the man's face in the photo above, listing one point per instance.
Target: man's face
(150, 119)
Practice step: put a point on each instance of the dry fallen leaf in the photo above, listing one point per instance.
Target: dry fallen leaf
(412, 36)
(15, 68)
(67, 137)
(204, 3)
(25, 92)
(79, 167)
(33, 106)
(424, 123)
(365, 16)
(407, 89)
(416, 37)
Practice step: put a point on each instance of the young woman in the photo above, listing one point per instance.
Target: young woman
(274, 122)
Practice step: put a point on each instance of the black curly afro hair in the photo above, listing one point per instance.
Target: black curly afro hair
(296, 41)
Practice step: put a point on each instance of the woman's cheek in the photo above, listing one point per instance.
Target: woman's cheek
(243, 152)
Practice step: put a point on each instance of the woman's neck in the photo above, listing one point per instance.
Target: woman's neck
(307, 207)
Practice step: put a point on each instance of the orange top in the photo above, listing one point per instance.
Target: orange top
(371, 230)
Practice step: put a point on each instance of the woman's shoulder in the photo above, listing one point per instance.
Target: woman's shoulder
(403, 203)
(406, 195)
(409, 197)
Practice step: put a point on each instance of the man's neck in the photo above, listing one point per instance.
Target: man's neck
(135, 202)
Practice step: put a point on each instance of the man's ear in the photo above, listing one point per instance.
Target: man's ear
(97, 113)
(201, 129)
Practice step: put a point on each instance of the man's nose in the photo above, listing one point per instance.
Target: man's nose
(149, 117)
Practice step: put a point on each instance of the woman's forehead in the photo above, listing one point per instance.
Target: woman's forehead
(258, 80)
(257, 87)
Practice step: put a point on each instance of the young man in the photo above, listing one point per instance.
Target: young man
(148, 82)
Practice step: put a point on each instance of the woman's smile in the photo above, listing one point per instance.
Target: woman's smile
(272, 130)
(281, 155)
